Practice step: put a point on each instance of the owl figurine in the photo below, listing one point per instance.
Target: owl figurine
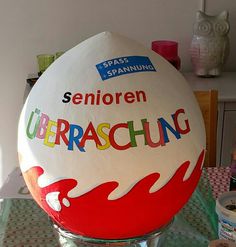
(210, 44)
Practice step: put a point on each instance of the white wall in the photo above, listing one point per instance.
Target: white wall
(31, 27)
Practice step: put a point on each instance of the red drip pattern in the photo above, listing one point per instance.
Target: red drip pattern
(137, 213)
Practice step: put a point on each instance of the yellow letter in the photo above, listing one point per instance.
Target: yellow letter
(104, 136)
(49, 133)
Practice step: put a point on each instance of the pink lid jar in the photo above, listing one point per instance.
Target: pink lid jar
(169, 50)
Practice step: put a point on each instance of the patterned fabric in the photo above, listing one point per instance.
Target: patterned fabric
(196, 224)
(219, 178)
(24, 224)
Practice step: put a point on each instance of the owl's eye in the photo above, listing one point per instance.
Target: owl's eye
(221, 28)
(204, 27)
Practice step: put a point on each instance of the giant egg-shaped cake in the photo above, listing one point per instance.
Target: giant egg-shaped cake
(111, 140)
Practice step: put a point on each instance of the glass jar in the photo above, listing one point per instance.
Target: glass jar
(67, 239)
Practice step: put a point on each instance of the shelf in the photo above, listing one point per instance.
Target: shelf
(225, 85)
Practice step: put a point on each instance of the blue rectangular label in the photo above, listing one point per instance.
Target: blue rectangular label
(124, 65)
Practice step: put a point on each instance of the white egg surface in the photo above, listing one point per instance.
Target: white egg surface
(111, 140)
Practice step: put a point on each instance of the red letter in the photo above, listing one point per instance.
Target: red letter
(107, 99)
(129, 97)
(150, 143)
(141, 93)
(77, 98)
(93, 136)
(112, 137)
(178, 128)
(87, 96)
(63, 132)
(118, 98)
